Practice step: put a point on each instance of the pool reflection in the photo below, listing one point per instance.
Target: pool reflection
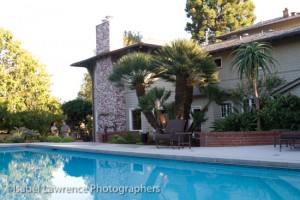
(106, 177)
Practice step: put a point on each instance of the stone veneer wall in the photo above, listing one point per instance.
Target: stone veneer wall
(109, 35)
(102, 37)
(109, 101)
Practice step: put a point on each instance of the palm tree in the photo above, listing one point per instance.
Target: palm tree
(136, 71)
(186, 63)
(249, 59)
(154, 100)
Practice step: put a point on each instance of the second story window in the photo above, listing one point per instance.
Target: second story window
(218, 62)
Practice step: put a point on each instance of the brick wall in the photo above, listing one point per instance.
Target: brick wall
(219, 139)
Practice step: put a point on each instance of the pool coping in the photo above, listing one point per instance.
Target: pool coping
(147, 151)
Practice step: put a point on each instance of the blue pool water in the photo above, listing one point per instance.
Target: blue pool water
(31, 173)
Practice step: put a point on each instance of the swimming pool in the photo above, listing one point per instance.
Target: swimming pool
(34, 173)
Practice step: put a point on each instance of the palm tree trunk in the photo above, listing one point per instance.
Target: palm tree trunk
(188, 101)
(257, 103)
(152, 120)
(180, 87)
(139, 90)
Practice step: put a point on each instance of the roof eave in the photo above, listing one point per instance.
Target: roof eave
(92, 60)
(257, 40)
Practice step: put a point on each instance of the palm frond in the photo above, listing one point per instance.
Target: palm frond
(133, 69)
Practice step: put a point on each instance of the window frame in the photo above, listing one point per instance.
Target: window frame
(226, 113)
(250, 104)
(221, 66)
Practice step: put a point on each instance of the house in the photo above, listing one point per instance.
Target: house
(114, 108)
(284, 35)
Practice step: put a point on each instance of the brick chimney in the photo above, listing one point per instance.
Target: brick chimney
(285, 12)
(109, 35)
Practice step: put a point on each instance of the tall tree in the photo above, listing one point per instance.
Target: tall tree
(216, 17)
(249, 59)
(136, 71)
(86, 88)
(24, 87)
(131, 37)
(186, 63)
(25, 84)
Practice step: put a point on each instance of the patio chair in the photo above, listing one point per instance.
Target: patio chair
(276, 136)
(168, 133)
(289, 137)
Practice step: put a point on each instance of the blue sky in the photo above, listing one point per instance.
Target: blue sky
(61, 32)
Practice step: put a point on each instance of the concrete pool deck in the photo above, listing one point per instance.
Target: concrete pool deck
(263, 156)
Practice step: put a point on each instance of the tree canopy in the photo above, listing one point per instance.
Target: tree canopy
(25, 84)
(249, 59)
(219, 16)
(85, 91)
(188, 65)
(131, 37)
(77, 111)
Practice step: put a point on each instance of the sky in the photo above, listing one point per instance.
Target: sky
(61, 32)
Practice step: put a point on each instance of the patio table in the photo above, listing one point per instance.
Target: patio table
(181, 139)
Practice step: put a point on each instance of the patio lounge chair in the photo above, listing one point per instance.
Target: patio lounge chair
(173, 126)
(289, 137)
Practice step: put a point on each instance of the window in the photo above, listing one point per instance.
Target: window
(226, 109)
(135, 119)
(196, 110)
(248, 104)
(218, 62)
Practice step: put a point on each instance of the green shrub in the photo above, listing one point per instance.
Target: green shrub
(68, 139)
(117, 139)
(281, 112)
(236, 122)
(30, 134)
(33, 120)
(140, 143)
(22, 133)
(17, 136)
(55, 139)
(130, 138)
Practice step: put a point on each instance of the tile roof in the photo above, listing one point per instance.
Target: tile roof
(263, 36)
